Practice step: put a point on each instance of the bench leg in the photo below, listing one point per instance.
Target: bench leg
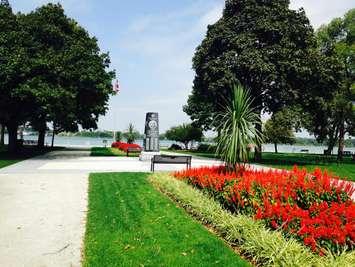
(152, 167)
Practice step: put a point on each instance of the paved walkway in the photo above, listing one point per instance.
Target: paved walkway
(43, 203)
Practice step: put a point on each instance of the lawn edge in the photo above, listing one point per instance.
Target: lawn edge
(265, 247)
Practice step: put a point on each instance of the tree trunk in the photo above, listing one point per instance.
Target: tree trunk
(259, 127)
(41, 138)
(332, 140)
(2, 134)
(341, 141)
(42, 128)
(258, 147)
(12, 130)
(275, 148)
(53, 134)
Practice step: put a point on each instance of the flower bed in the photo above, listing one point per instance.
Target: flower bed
(124, 146)
(316, 208)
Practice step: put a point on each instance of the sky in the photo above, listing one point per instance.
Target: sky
(151, 44)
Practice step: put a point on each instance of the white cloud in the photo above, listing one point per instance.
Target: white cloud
(321, 12)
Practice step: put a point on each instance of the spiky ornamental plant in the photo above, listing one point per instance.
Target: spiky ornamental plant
(237, 128)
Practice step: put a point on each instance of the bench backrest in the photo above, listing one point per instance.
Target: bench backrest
(171, 159)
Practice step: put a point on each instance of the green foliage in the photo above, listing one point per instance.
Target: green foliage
(53, 71)
(279, 129)
(267, 248)
(131, 224)
(268, 48)
(237, 128)
(119, 136)
(88, 133)
(333, 119)
(185, 134)
(131, 134)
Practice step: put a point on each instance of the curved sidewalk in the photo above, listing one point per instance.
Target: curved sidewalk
(43, 204)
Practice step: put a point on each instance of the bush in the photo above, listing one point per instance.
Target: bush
(314, 208)
(175, 147)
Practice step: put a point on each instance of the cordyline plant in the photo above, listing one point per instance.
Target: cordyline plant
(237, 129)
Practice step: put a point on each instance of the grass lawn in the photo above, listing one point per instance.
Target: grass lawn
(110, 152)
(7, 159)
(129, 223)
(345, 169)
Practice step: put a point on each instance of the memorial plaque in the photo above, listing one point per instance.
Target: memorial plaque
(151, 140)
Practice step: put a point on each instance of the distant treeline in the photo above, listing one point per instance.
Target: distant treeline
(299, 141)
(93, 134)
(313, 142)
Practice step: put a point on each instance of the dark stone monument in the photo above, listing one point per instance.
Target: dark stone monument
(151, 131)
(151, 138)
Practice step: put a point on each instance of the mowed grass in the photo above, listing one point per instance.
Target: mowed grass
(129, 223)
(344, 169)
(110, 152)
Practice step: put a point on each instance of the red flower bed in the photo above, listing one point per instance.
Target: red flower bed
(124, 146)
(314, 207)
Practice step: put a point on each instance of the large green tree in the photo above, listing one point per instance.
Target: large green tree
(337, 40)
(269, 49)
(51, 70)
(69, 79)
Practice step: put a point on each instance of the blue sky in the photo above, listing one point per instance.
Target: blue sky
(151, 44)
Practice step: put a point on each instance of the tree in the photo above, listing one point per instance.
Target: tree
(266, 47)
(68, 79)
(118, 136)
(131, 134)
(337, 40)
(279, 129)
(185, 134)
(15, 108)
(237, 128)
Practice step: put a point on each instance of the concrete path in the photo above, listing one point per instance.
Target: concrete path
(43, 203)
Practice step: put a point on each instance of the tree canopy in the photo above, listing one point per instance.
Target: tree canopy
(268, 48)
(185, 134)
(332, 120)
(56, 73)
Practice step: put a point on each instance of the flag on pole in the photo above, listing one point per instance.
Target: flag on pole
(116, 87)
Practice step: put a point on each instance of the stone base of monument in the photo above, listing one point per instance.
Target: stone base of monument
(147, 156)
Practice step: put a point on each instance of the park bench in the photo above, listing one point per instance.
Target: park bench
(30, 142)
(168, 159)
(133, 150)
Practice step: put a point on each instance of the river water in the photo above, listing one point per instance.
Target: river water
(86, 142)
